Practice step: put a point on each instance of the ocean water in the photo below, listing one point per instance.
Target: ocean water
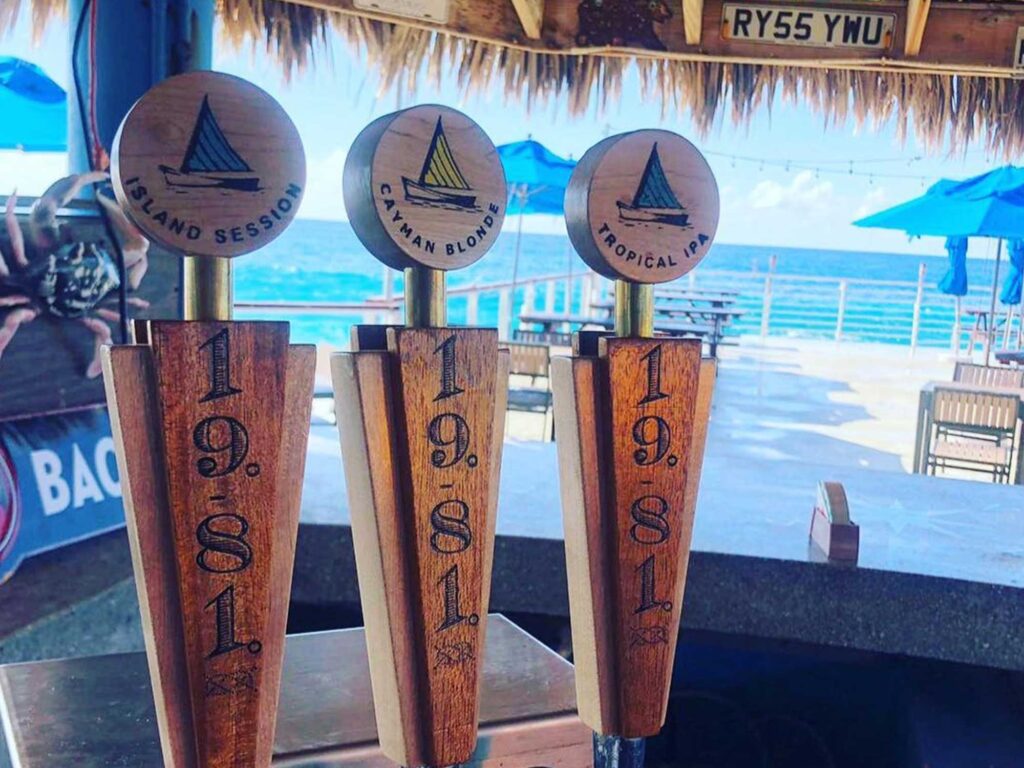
(322, 261)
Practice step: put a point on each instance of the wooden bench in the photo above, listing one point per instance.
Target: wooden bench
(973, 431)
(533, 361)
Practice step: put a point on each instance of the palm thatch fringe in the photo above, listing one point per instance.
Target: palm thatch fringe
(43, 11)
(946, 112)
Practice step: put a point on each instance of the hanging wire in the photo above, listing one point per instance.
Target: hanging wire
(818, 167)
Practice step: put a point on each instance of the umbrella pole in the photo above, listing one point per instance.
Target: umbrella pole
(992, 305)
(569, 286)
(956, 325)
(515, 261)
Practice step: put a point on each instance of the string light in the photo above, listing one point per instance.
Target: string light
(819, 167)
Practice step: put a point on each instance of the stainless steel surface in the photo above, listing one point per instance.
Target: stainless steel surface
(618, 752)
(98, 711)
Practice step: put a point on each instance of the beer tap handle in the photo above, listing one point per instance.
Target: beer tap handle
(211, 417)
(631, 412)
(421, 417)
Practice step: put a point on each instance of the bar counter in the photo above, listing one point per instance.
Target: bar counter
(941, 572)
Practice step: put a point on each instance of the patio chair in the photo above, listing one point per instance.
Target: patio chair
(989, 376)
(533, 361)
(973, 431)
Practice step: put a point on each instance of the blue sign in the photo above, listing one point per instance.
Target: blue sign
(58, 483)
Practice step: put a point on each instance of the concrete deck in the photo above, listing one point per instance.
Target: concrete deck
(849, 405)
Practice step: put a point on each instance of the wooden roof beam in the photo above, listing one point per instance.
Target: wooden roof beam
(693, 15)
(965, 38)
(531, 16)
(917, 17)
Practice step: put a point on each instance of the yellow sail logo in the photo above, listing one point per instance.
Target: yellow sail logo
(441, 183)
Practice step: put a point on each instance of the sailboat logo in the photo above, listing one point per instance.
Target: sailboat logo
(441, 183)
(654, 201)
(210, 161)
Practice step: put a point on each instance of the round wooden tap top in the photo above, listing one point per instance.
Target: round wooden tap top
(207, 164)
(642, 206)
(425, 187)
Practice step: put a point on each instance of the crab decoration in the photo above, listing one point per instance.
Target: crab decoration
(63, 277)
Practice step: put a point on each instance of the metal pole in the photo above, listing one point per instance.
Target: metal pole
(521, 195)
(916, 323)
(207, 292)
(618, 752)
(990, 336)
(634, 309)
(161, 37)
(425, 305)
(841, 313)
(569, 281)
(957, 309)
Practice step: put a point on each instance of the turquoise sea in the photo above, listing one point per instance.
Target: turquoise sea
(323, 261)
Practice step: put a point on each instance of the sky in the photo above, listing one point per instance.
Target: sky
(763, 202)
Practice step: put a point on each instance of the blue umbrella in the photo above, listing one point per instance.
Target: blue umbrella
(988, 205)
(537, 179)
(954, 282)
(531, 169)
(1012, 287)
(34, 108)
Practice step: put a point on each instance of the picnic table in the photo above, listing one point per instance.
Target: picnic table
(1011, 356)
(924, 419)
(982, 330)
(717, 316)
(697, 295)
(550, 321)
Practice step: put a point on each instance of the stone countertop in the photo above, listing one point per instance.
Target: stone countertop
(941, 571)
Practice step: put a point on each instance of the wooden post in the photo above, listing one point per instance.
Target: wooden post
(505, 301)
(841, 311)
(917, 18)
(693, 20)
(631, 417)
(473, 308)
(549, 297)
(918, 298)
(211, 417)
(766, 302)
(529, 298)
(421, 411)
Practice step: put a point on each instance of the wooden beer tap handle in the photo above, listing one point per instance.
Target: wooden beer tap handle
(211, 417)
(421, 414)
(631, 413)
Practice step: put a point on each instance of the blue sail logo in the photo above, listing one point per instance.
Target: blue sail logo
(441, 183)
(654, 201)
(210, 161)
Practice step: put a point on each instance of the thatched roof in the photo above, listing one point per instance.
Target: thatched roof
(946, 100)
